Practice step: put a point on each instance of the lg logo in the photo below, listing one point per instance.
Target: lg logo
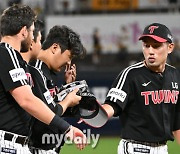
(174, 85)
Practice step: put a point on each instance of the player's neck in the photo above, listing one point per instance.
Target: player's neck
(157, 69)
(13, 41)
(26, 56)
(43, 56)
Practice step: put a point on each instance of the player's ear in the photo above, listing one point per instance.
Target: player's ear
(31, 48)
(54, 48)
(170, 47)
(23, 32)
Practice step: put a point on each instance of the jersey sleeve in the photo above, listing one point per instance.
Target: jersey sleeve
(118, 94)
(40, 89)
(12, 74)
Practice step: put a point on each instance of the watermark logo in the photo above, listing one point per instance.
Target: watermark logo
(92, 139)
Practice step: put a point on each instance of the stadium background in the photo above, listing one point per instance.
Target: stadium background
(108, 16)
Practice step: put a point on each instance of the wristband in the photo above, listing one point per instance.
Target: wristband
(59, 110)
(70, 127)
(60, 124)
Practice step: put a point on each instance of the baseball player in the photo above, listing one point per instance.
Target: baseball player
(59, 47)
(17, 101)
(146, 97)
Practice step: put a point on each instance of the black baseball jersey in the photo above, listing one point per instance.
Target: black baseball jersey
(47, 73)
(12, 75)
(148, 103)
(41, 90)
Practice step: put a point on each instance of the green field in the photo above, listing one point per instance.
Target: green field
(108, 145)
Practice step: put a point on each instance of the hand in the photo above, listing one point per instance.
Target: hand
(78, 137)
(70, 73)
(72, 98)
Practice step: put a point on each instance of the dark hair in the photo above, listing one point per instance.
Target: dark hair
(38, 27)
(14, 18)
(66, 38)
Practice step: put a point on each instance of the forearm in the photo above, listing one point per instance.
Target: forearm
(44, 114)
(108, 109)
(64, 105)
(32, 104)
(37, 108)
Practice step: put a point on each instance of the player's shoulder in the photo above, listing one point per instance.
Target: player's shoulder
(6, 49)
(172, 69)
(33, 70)
(131, 71)
(170, 66)
(3, 46)
(9, 55)
(134, 68)
(36, 63)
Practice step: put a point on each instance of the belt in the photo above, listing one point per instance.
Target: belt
(34, 150)
(152, 144)
(19, 139)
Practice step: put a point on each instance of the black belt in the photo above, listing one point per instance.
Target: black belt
(153, 144)
(20, 139)
(34, 150)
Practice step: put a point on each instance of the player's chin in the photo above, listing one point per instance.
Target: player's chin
(58, 69)
(151, 63)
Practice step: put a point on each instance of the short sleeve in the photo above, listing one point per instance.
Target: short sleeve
(119, 90)
(12, 74)
(39, 88)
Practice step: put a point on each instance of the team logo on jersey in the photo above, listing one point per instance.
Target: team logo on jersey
(18, 74)
(174, 85)
(146, 84)
(48, 97)
(53, 91)
(159, 96)
(117, 94)
(29, 79)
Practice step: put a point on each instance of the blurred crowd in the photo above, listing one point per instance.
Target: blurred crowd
(65, 7)
(95, 6)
